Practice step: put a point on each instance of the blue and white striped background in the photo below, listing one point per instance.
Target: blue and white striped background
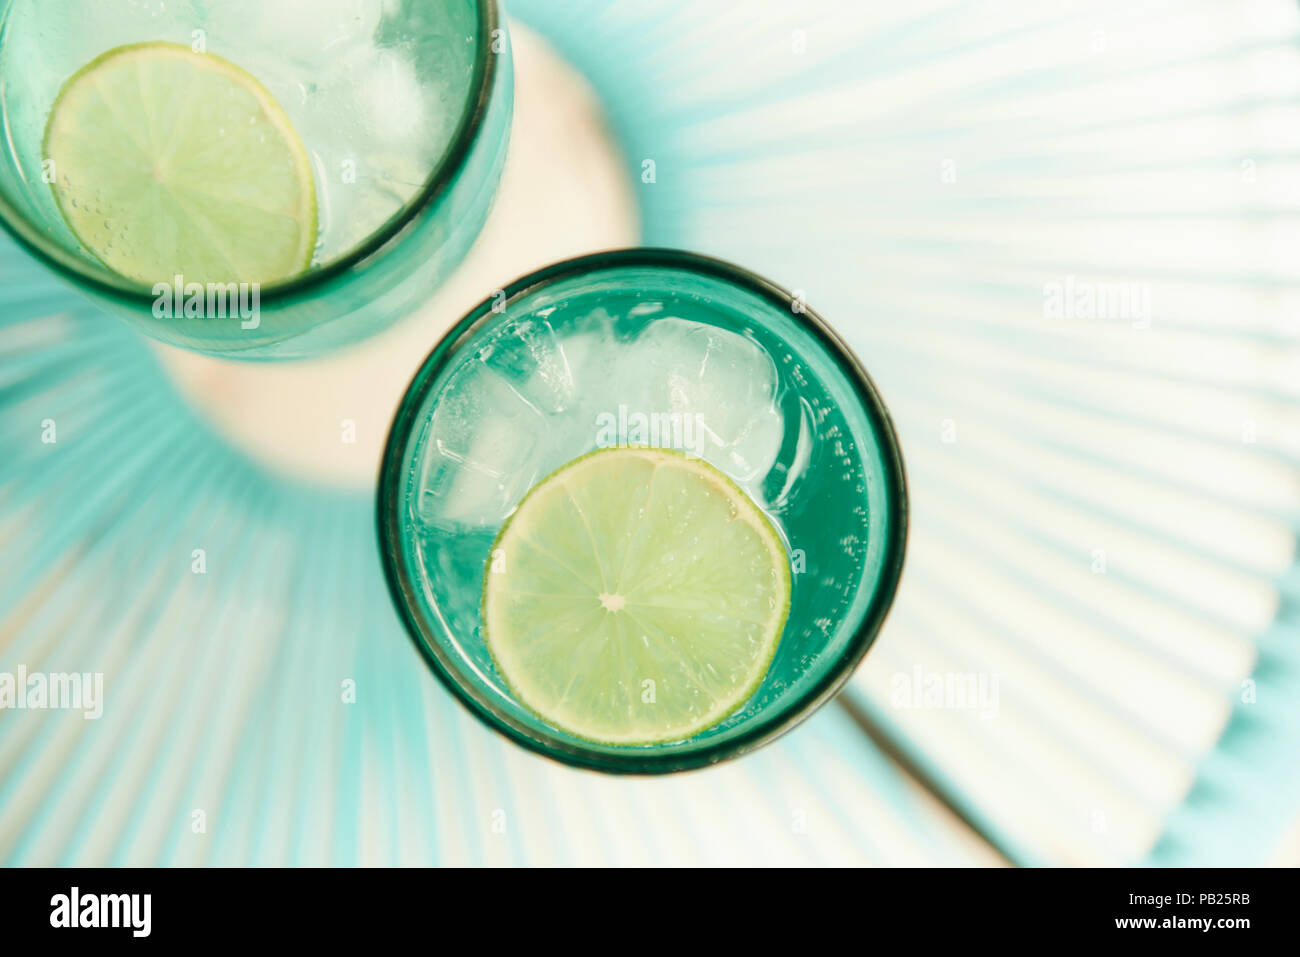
(1146, 142)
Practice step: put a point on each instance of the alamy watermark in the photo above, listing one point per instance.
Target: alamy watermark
(921, 690)
(179, 299)
(663, 430)
(1085, 299)
(53, 691)
(76, 909)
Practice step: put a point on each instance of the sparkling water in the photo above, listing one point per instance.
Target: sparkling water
(646, 347)
(375, 88)
(528, 393)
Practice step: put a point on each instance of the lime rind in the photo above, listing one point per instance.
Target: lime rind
(264, 223)
(645, 733)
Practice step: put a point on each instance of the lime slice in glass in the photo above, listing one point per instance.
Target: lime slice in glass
(166, 161)
(636, 596)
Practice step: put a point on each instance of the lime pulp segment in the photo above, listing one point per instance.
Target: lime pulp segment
(636, 596)
(166, 161)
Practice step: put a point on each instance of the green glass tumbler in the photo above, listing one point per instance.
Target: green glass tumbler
(404, 107)
(627, 347)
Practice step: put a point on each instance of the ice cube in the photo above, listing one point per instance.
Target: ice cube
(531, 357)
(728, 384)
(301, 29)
(481, 450)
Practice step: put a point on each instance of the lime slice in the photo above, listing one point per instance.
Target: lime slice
(167, 161)
(636, 596)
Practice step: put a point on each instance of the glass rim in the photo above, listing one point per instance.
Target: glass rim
(638, 761)
(108, 283)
